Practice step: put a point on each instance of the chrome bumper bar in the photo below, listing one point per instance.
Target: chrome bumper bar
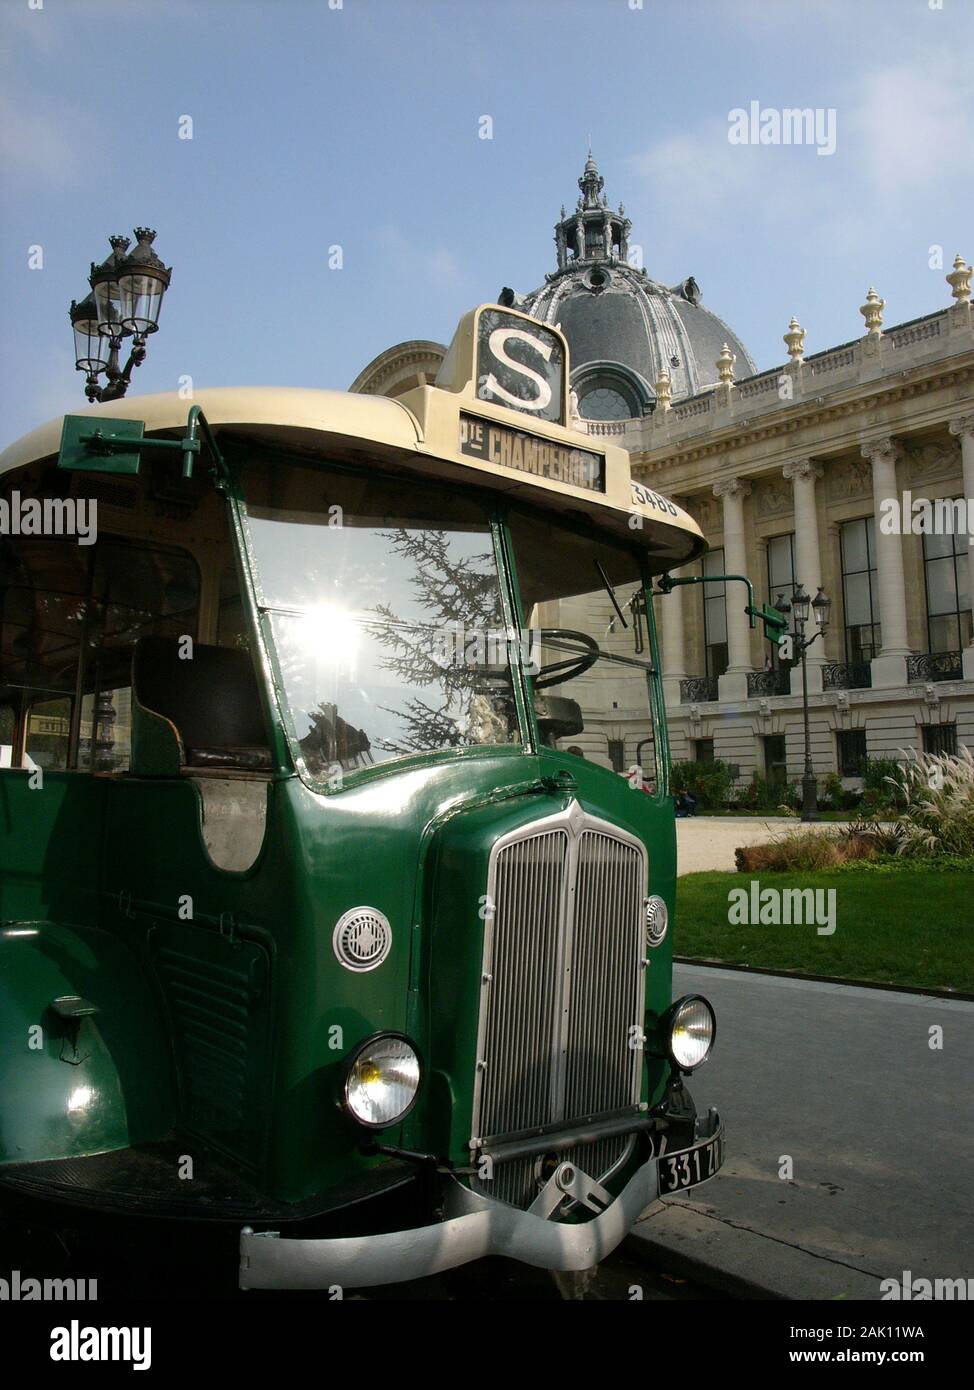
(474, 1227)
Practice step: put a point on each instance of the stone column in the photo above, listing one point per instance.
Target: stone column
(733, 684)
(803, 475)
(964, 427)
(670, 611)
(889, 668)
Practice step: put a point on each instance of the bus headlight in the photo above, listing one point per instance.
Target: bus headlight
(690, 1027)
(382, 1080)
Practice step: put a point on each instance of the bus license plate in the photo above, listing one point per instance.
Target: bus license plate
(687, 1167)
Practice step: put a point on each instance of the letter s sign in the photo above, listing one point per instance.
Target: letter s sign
(520, 365)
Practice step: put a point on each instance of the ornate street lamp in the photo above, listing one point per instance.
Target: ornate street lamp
(802, 607)
(822, 608)
(142, 281)
(125, 300)
(91, 346)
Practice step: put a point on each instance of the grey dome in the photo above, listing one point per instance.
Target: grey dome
(622, 327)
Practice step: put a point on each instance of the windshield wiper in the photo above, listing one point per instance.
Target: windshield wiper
(611, 592)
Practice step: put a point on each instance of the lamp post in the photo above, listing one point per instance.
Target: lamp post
(820, 607)
(125, 300)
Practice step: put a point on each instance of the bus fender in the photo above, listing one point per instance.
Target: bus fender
(85, 1066)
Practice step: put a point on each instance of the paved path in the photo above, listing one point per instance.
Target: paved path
(709, 842)
(880, 1129)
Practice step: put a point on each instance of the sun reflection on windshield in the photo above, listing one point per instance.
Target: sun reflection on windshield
(330, 634)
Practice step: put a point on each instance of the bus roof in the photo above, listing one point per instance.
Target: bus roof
(476, 426)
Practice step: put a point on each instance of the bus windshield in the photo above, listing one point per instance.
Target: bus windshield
(585, 616)
(384, 602)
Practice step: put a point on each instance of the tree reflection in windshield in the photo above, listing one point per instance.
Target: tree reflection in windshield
(459, 595)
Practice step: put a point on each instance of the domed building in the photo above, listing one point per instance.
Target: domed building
(623, 328)
(789, 472)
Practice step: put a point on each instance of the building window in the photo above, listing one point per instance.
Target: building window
(946, 569)
(703, 750)
(781, 576)
(775, 760)
(851, 751)
(605, 403)
(715, 616)
(940, 739)
(617, 758)
(859, 597)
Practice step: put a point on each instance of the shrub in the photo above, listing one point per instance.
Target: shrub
(799, 850)
(709, 782)
(762, 794)
(882, 791)
(938, 793)
(837, 797)
(884, 837)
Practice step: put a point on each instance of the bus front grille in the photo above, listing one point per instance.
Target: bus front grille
(562, 991)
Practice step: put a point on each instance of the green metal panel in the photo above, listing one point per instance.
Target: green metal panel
(73, 1087)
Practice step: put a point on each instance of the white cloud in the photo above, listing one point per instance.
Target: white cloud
(914, 125)
(903, 130)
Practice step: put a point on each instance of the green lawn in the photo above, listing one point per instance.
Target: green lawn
(779, 815)
(905, 926)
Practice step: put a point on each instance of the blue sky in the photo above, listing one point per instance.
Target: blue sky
(359, 126)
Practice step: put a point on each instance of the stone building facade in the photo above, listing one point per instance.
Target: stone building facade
(791, 473)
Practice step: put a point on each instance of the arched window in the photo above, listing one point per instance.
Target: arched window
(611, 391)
(605, 403)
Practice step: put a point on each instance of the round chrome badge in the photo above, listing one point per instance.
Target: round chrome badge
(362, 938)
(657, 919)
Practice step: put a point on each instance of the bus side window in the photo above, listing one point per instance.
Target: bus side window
(8, 726)
(63, 605)
(43, 602)
(48, 734)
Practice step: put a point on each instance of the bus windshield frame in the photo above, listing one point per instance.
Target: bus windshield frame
(503, 658)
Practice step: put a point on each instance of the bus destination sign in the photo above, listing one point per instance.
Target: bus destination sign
(521, 365)
(526, 453)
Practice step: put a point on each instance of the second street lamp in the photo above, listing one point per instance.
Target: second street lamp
(126, 296)
(820, 606)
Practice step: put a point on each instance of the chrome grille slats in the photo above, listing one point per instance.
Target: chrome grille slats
(527, 898)
(563, 986)
(607, 952)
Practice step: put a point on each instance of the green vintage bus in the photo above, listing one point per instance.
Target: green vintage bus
(337, 855)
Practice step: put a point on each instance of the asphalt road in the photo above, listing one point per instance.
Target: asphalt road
(878, 1125)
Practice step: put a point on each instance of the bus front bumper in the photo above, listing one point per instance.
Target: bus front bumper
(474, 1227)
